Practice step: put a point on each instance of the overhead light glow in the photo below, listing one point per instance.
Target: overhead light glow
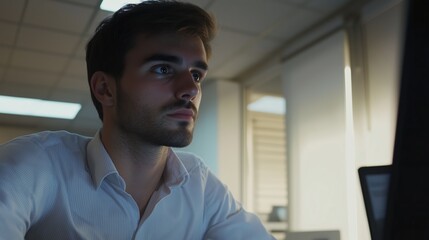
(269, 104)
(38, 107)
(114, 5)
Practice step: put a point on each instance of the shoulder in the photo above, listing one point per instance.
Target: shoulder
(41, 161)
(191, 161)
(46, 139)
(195, 166)
(32, 170)
(197, 169)
(41, 150)
(42, 142)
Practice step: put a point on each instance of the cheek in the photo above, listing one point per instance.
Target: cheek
(197, 100)
(149, 94)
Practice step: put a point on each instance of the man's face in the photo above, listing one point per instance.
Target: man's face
(159, 93)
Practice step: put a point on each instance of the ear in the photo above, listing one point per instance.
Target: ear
(104, 88)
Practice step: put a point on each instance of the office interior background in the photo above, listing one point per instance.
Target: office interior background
(332, 67)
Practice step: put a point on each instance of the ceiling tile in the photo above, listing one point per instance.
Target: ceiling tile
(38, 61)
(70, 95)
(326, 5)
(11, 10)
(57, 15)
(31, 77)
(101, 15)
(254, 16)
(77, 68)
(92, 3)
(73, 83)
(227, 41)
(261, 49)
(246, 58)
(24, 90)
(4, 55)
(7, 33)
(2, 72)
(47, 40)
(35, 68)
(229, 71)
(296, 22)
(200, 3)
(81, 49)
(295, 2)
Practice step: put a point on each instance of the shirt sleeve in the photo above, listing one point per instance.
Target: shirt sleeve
(19, 166)
(227, 219)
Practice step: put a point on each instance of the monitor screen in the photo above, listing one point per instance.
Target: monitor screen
(375, 188)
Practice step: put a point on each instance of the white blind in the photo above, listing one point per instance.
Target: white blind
(269, 160)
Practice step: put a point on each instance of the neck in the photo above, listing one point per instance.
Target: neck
(128, 152)
(140, 164)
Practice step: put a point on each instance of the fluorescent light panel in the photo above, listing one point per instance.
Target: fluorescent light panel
(269, 104)
(38, 107)
(114, 5)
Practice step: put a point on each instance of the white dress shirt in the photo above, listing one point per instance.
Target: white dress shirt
(58, 185)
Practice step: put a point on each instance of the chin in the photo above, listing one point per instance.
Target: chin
(179, 139)
(181, 143)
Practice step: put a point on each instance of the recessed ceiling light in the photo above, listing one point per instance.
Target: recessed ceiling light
(269, 104)
(114, 5)
(38, 107)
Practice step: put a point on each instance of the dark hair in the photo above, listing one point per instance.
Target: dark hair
(116, 34)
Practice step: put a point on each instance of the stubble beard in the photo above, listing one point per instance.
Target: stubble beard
(150, 126)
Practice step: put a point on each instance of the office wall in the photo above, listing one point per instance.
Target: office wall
(315, 96)
(383, 29)
(217, 136)
(324, 192)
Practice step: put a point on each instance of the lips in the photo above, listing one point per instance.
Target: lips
(182, 114)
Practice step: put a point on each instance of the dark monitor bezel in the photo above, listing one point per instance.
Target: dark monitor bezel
(408, 203)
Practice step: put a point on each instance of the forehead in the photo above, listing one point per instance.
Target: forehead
(169, 43)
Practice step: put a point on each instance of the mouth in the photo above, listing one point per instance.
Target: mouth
(182, 114)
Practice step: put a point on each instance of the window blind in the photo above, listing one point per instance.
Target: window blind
(269, 161)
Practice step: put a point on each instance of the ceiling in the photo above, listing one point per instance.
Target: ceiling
(42, 46)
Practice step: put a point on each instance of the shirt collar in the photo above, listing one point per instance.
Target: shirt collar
(99, 162)
(101, 165)
(175, 172)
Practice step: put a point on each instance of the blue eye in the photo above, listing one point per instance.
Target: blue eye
(163, 69)
(196, 76)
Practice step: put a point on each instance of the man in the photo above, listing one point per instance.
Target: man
(145, 67)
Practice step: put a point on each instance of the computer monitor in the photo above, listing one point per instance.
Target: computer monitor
(408, 202)
(375, 188)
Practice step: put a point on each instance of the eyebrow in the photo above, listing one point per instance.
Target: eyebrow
(174, 59)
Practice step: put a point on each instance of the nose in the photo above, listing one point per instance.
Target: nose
(186, 87)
